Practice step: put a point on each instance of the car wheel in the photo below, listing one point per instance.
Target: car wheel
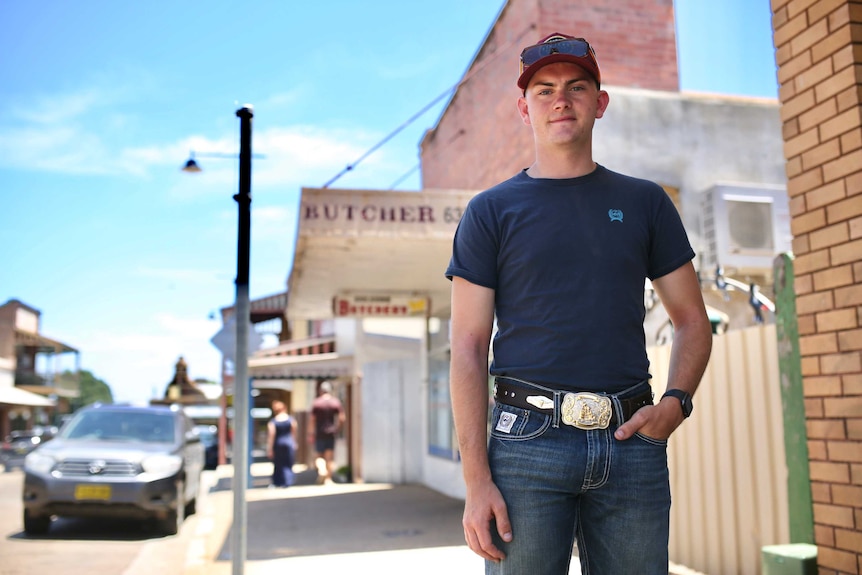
(36, 525)
(192, 505)
(171, 524)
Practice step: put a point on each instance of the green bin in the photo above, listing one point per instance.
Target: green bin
(791, 559)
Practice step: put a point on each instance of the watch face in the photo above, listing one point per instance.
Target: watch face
(684, 400)
(686, 405)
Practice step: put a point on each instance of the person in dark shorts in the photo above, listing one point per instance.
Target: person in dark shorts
(327, 417)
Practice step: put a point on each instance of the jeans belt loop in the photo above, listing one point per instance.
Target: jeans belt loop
(618, 409)
(557, 395)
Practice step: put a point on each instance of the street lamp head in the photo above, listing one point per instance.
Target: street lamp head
(191, 166)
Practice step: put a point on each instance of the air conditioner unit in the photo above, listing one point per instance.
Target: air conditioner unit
(745, 226)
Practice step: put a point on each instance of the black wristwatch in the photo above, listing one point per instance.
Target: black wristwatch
(684, 400)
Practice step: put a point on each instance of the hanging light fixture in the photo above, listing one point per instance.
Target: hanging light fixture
(191, 165)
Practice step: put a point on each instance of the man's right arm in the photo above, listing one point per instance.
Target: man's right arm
(340, 417)
(472, 322)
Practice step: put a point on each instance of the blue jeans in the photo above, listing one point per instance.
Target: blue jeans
(563, 484)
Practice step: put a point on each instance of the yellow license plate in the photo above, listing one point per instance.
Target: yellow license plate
(99, 492)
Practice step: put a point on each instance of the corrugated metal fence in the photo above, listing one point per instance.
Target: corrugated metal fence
(727, 467)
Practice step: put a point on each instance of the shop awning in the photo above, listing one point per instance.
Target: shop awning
(14, 396)
(373, 242)
(321, 365)
(264, 308)
(41, 343)
(46, 390)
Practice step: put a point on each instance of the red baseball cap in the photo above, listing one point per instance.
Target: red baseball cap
(558, 47)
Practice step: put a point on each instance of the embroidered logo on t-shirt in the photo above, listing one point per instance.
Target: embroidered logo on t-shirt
(506, 421)
(615, 215)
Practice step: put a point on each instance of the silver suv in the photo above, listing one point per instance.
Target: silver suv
(116, 461)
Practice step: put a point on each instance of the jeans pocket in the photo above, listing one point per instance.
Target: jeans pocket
(651, 440)
(516, 424)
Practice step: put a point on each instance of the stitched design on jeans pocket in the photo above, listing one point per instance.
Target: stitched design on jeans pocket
(527, 424)
(505, 422)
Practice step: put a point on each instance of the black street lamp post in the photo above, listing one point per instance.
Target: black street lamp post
(241, 392)
(242, 309)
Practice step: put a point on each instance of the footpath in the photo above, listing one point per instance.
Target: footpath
(331, 529)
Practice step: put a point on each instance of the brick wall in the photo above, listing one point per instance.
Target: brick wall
(819, 53)
(480, 139)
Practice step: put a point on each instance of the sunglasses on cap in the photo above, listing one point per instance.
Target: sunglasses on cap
(577, 47)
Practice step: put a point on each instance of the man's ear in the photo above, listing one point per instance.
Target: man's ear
(523, 110)
(603, 100)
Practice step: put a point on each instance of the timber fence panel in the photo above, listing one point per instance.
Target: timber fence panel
(727, 466)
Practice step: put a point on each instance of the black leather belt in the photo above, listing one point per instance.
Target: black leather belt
(584, 410)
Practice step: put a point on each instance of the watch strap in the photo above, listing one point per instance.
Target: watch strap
(684, 399)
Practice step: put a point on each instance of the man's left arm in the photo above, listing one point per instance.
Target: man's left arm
(680, 294)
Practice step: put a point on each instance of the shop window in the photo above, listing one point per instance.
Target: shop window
(441, 427)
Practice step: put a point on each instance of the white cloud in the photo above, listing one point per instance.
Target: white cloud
(274, 223)
(83, 132)
(54, 149)
(308, 156)
(59, 108)
(127, 360)
(77, 133)
(65, 133)
(288, 158)
(281, 100)
(180, 275)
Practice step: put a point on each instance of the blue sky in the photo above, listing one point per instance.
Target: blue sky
(102, 101)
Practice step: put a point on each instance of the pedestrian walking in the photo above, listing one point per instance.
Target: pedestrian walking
(327, 417)
(281, 445)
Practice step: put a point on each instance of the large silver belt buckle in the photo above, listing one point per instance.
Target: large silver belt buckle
(586, 410)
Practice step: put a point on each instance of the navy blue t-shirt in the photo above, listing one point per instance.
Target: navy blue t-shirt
(568, 259)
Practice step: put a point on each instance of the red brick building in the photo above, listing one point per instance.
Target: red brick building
(480, 139)
(819, 53)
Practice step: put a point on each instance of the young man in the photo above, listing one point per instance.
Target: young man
(558, 256)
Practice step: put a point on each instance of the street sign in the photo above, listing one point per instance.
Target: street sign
(225, 340)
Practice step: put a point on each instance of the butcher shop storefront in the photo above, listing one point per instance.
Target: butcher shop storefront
(373, 263)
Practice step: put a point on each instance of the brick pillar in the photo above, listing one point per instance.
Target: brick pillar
(819, 54)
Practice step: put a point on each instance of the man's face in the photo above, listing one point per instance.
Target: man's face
(561, 104)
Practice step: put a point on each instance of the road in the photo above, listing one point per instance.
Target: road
(308, 528)
(83, 547)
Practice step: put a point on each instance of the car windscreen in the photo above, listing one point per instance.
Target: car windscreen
(122, 426)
